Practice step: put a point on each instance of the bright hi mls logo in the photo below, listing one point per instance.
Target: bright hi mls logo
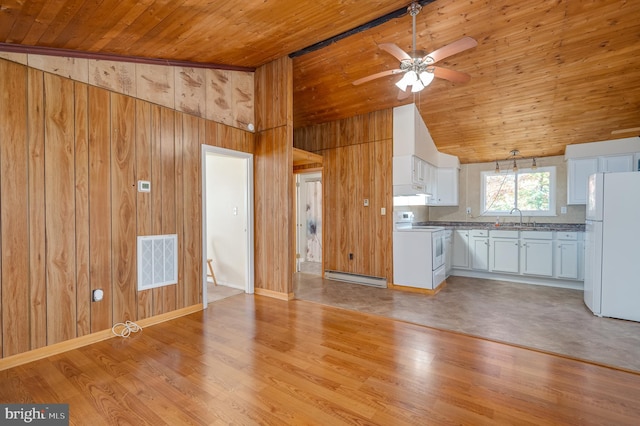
(37, 414)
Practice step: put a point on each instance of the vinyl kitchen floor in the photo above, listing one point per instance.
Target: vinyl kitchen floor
(549, 319)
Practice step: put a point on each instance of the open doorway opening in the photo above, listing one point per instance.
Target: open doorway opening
(227, 234)
(309, 223)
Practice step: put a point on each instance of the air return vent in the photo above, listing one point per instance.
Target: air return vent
(157, 261)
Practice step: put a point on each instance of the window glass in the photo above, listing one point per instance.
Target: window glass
(531, 191)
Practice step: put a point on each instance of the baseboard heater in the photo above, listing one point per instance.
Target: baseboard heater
(356, 278)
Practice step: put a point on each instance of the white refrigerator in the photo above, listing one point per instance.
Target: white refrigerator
(612, 245)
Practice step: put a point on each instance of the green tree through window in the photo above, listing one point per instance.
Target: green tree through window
(532, 191)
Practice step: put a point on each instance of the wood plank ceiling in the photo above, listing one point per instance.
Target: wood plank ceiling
(545, 73)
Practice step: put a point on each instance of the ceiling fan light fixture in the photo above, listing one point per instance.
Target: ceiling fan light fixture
(402, 84)
(426, 77)
(411, 77)
(417, 86)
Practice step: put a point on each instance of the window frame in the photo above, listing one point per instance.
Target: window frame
(552, 191)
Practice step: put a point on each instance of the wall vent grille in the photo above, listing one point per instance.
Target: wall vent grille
(157, 261)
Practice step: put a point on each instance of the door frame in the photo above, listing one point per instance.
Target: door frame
(300, 179)
(224, 152)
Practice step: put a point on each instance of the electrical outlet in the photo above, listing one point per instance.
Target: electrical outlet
(468, 210)
(366, 202)
(563, 210)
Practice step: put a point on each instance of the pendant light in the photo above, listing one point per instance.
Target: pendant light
(515, 154)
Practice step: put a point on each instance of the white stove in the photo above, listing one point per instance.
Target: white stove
(418, 253)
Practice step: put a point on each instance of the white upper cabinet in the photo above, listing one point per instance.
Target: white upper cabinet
(446, 193)
(619, 155)
(578, 171)
(616, 163)
(417, 162)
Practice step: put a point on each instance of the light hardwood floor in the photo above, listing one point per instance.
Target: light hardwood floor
(256, 360)
(548, 319)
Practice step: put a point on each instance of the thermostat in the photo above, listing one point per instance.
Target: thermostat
(144, 186)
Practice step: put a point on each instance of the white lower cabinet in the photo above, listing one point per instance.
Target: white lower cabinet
(544, 254)
(504, 251)
(460, 250)
(537, 253)
(479, 249)
(568, 258)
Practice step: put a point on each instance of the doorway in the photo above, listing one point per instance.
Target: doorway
(309, 223)
(227, 223)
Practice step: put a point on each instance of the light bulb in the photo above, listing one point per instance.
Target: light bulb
(515, 166)
(426, 77)
(417, 86)
(497, 170)
(534, 166)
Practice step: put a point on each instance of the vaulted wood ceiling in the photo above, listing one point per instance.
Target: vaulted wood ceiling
(545, 73)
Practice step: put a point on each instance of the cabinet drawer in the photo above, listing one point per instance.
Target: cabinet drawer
(479, 232)
(566, 235)
(503, 234)
(537, 235)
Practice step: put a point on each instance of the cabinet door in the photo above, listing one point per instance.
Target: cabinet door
(616, 163)
(537, 257)
(446, 187)
(567, 259)
(505, 255)
(460, 252)
(479, 253)
(448, 241)
(430, 178)
(417, 170)
(578, 172)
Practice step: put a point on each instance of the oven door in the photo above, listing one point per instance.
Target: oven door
(438, 249)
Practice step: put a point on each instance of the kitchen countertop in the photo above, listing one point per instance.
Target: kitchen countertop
(508, 226)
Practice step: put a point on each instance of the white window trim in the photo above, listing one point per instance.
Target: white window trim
(552, 192)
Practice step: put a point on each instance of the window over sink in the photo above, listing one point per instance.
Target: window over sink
(531, 191)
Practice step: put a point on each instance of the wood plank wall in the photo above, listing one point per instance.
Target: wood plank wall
(70, 157)
(274, 181)
(357, 159)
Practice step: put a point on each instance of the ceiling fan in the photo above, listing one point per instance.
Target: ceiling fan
(417, 65)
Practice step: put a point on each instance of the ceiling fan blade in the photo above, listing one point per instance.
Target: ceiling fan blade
(452, 48)
(451, 75)
(374, 76)
(393, 49)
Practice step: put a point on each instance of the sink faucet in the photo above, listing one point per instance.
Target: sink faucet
(514, 209)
